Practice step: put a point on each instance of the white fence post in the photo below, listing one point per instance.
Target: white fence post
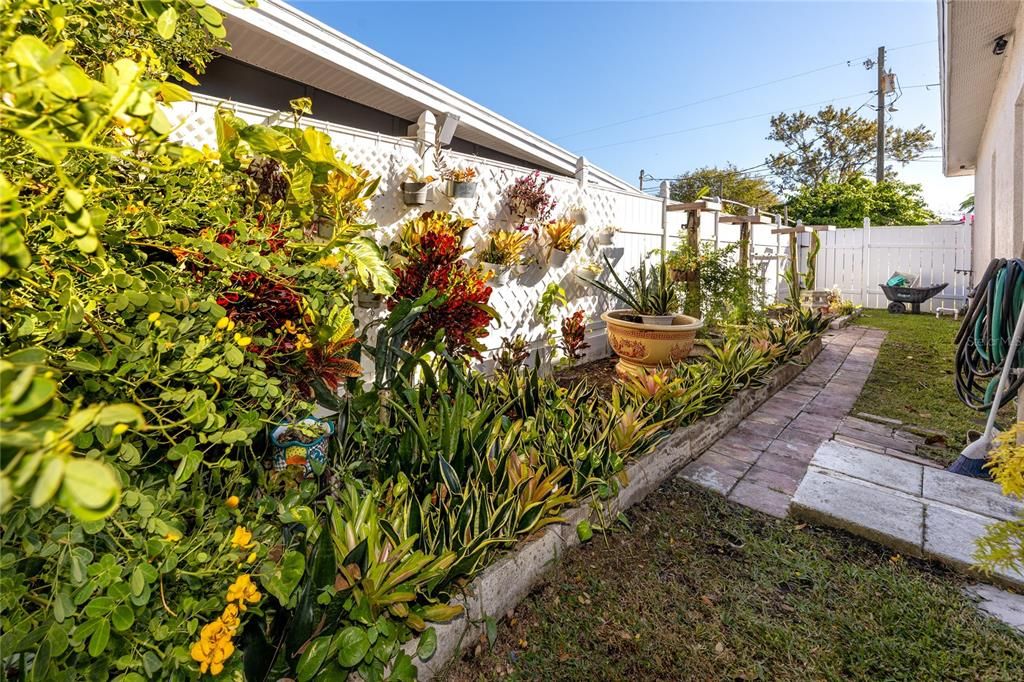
(664, 191)
(865, 261)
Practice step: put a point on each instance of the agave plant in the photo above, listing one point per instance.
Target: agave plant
(646, 290)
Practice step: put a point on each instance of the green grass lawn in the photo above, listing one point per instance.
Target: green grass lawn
(913, 379)
(702, 589)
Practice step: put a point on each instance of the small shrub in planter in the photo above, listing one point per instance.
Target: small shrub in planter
(504, 250)
(605, 235)
(461, 182)
(415, 187)
(561, 240)
(528, 198)
(579, 214)
(302, 443)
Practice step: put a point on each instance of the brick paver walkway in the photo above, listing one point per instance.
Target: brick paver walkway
(760, 463)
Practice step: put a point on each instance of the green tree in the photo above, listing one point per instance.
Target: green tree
(845, 204)
(834, 145)
(728, 183)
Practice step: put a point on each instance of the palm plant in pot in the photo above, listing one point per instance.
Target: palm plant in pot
(503, 251)
(561, 240)
(649, 332)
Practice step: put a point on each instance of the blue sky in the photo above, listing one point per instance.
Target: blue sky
(562, 69)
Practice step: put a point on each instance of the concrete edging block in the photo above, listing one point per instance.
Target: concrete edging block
(503, 584)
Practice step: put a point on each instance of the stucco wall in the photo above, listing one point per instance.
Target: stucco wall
(999, 178)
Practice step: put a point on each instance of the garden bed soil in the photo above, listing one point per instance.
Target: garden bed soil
(599, 374)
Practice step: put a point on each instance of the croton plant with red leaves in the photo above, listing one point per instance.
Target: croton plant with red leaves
(461, 309)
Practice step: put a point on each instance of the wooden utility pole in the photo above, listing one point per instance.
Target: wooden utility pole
(880, 135)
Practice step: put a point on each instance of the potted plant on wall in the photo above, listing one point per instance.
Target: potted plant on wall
(561, 240)
(415, 187)
(649, 332)
(460, 182)
(529, 199)
(503, 251)
(605, 235)
(578, 213)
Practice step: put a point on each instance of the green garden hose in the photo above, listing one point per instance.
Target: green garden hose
(985, 334)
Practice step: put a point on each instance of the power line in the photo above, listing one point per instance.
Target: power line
(701, 101)
(722, 123)
(713, 98)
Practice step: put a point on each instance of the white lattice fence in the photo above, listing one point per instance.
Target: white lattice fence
(638, 216)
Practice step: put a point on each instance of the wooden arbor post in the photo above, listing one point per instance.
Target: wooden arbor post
(753, 217)
(794, 255)
(693, 304)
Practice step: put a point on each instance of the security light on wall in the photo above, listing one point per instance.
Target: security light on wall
(999, 46)
(446, 126)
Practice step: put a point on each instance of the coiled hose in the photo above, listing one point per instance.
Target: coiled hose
(984, 336)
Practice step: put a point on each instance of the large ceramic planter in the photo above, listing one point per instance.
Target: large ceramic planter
(641, 347)
(289, 453)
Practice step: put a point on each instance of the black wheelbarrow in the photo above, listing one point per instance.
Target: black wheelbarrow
(899, 297)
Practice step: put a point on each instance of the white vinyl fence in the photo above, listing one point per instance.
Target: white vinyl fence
(858, 260)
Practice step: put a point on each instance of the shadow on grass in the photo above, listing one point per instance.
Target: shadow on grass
(702, 589)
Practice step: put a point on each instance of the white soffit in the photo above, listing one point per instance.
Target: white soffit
(969, 72)
(280, 39)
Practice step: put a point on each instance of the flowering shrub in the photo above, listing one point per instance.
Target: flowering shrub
(460, 314)
(528, 197)
(161, 305)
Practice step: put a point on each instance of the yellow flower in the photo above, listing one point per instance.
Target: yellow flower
(243, 590)
(230, 618)
(119, 429)
(222, 323)
(173, 536)
(153, 317)
(302, 342)
(330, 261)
(242, 538)
(232, 502)
(214, 647)
(251, 558)
(242, 341)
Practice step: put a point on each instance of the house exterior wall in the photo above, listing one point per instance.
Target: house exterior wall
(236, 81)
(999, 176)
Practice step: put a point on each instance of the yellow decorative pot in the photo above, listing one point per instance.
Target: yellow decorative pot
(641, 346)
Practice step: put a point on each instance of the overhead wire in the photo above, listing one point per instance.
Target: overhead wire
(846, 62)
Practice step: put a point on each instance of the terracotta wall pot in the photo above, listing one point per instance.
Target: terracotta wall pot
(648, 346)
